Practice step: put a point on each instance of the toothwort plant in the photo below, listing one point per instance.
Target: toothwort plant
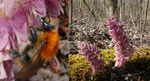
(90, 52)
(123, 48)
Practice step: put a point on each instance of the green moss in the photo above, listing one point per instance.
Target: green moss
(108, 56)
(140, 61)
(80, 69)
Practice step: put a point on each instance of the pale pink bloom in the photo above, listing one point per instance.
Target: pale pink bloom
(54, 7)
(36, 5)
(10, 7)
(1, 1)
(20, 24)
(8, 40)
(35, 20)
(6, 68)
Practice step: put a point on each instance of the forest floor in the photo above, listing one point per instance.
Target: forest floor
(86, 29)
(96, 32)
(136, 68)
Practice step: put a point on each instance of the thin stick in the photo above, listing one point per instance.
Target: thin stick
(92, 13)
(71, 20)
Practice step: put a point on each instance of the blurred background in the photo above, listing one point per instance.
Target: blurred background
(88, 22)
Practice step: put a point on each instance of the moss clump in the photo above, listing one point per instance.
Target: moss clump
(140, 61)
(108, 56)
(80, 69)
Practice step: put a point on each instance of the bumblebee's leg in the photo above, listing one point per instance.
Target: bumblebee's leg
(54, 66)
(57, 61)
(62, 58)
(15, 55)
(25, 53)
(32, 38)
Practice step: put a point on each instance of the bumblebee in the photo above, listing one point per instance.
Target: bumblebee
(46, 40)
(42, 49)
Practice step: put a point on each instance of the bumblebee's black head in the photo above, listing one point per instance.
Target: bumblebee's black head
(45, 26)
(42, 19)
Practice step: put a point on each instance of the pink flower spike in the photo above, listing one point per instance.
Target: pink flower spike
(88, 52)
(112, 18)
(123, 49)
(117, 20)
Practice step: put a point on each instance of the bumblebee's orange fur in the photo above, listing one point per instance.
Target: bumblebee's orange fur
(51, 48)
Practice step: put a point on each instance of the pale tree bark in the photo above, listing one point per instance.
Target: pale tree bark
(112, 8)
(121, 8)
(109, 7)
(145, 12)
(141, 19)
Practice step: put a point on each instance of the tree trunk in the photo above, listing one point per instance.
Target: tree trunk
(145, 12)
(112, 7)
(121, 9)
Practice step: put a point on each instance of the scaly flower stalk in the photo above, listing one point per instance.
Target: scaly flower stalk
(90, 52)
(123, 49)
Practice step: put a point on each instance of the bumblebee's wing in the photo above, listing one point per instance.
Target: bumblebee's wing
(32, 66)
